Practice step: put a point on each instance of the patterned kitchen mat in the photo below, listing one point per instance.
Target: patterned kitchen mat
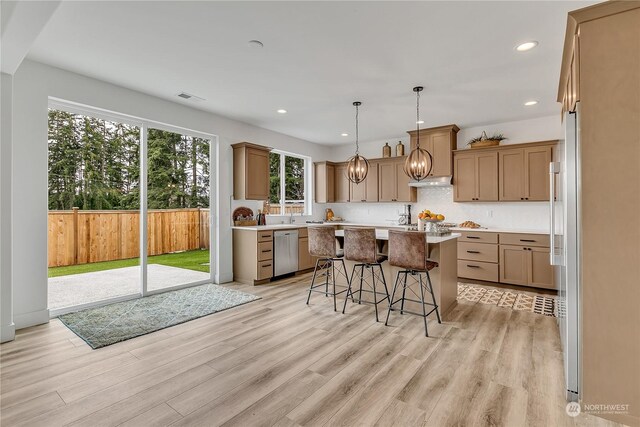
(539, 304)
(103, 326)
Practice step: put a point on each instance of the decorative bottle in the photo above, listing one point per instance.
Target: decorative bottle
(400, 149)
(386, 150)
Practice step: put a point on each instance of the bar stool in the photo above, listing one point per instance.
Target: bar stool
(360, 246)
(408, 251)
(322, 244)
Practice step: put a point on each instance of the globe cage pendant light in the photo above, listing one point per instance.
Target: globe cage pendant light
(357, 166)
(419, 162)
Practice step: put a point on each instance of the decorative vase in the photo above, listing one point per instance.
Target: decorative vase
(421, 224)
(400, 149)
(386, 150)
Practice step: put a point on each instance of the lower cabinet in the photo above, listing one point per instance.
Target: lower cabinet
(305, 260)
(524, 265)
(516, 259)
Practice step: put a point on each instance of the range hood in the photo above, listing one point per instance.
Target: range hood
(435, 181)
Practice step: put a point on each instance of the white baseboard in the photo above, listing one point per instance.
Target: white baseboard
(7, 333)
(31, 319)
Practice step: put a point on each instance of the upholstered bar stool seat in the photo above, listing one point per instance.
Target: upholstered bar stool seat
(408, 251)
(360, 246)
(322, 244)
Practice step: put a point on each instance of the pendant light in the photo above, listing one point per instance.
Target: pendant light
(357, 166)
(419, 162)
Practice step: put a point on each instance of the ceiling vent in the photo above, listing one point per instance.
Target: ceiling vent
(185, 95)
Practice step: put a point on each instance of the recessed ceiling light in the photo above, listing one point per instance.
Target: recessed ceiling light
(420, 122)
(255, 43)
(526, 46)
(281, 111)
(344, 134)
(530, 103)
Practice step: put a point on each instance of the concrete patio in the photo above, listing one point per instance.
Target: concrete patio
(77, 289)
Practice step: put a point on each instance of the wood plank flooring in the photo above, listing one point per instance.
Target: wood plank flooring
(278, 362)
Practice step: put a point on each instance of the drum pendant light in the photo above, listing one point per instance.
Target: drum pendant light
(419, 162)
(357, 166)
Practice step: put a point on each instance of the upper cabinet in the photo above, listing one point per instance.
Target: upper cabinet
(367, 190)
(342, 187)
(250, 171)
(324, 182)
(524, 174)
(440, 142)
(475, 176)
(518, 172)
(393, 183)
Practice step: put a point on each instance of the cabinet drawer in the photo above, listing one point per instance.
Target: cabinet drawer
(478, 270)
(265, 270)
(538, 240)
(478, 237)
(265, 236)
(303, 232)
(478, 251)
(265, 251)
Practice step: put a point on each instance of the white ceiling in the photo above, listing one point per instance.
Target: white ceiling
(318, 57)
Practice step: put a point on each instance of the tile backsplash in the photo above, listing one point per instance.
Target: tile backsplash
(521, 215)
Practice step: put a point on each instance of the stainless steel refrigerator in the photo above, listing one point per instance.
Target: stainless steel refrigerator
(565, 246)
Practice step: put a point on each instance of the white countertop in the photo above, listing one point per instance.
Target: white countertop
(501, 230)
(384, 235)
(383, 225)
(304, 224)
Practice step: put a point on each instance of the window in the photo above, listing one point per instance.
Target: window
(289, 183)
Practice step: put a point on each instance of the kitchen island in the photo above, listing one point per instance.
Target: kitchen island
(443, 250)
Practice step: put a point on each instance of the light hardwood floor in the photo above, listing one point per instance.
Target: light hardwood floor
(279, 362)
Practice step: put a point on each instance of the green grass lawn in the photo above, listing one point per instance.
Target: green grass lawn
(191, 260)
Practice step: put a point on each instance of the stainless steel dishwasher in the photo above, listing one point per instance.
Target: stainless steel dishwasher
(285, 252)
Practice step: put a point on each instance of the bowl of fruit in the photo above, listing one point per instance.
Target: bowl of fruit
(428, 219)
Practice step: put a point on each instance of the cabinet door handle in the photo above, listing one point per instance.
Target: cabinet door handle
(266, 250)
(473, 252)
(528, 240)
(266, 265)
(472, 237)
(473, 266)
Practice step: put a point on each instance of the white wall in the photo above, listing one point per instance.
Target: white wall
(33, 84)
(525, 215)
(7, 327)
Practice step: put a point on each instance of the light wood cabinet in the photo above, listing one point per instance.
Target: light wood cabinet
(475, 176)
(250, 171)
(518, 172)
(393, 182)
(526, 265)
(342, 184)
(252, 256)
(324, 182)
(305, 260)
(514, 258)
(524, 173)
(440, 142)
(367, 190)
(513, 265)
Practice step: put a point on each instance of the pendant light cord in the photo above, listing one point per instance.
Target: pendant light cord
(357, 144)
(418, 118)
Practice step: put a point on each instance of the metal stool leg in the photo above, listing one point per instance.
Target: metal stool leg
(315, 272)
(404, 292)
(433, 297)
(349, 291)
(375, 296)
(326, 280)
(393, 293)
(384, 282)
(424, 311)
(333, 277)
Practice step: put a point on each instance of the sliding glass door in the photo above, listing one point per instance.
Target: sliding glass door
(178, 216)
(129, 207)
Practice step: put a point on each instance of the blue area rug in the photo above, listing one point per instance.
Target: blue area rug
(103, 326)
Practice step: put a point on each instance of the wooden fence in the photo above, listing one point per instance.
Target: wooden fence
(294, 208)
(80, 237)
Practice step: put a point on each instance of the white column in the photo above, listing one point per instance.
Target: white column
(6, 295)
